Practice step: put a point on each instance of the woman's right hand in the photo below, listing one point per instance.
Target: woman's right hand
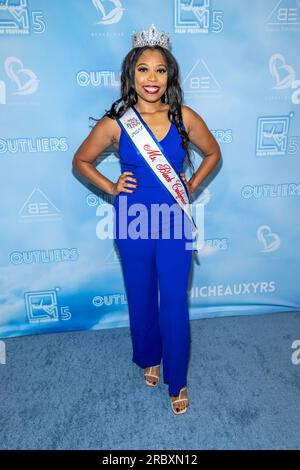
(121, 184)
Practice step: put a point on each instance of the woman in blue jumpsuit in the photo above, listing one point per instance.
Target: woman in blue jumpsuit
(155, 265)
(159, 325)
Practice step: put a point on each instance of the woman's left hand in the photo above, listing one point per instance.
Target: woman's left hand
(187, 183)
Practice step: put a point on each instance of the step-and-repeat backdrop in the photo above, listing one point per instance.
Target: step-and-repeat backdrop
(59, 64)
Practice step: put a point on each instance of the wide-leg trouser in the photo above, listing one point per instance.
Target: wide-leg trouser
(156, 273)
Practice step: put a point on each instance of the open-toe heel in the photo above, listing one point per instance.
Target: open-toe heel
(176, 408)
(150, 378)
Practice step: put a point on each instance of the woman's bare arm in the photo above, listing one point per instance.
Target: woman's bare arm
(101, 136)
(200, 135)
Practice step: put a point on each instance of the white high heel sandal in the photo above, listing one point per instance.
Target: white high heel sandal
(182, 400)
(148, 374)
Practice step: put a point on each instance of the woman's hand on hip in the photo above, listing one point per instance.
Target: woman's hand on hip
(122, 183)
(187, 183)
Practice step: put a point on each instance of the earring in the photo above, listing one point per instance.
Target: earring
(166, 97)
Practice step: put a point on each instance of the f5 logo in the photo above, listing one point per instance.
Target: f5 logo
(200, 18)
(42, 306)
(15, 18)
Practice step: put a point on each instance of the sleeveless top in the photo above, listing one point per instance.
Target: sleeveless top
(150, 189)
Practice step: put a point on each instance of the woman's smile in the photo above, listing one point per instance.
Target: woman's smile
(151, 89)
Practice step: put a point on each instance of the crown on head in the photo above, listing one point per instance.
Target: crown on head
(151, 37)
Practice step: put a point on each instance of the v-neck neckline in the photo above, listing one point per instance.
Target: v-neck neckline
(148, 128)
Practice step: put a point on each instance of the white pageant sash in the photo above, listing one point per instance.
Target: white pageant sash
(150, 150)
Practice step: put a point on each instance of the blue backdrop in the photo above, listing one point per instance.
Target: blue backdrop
(59, 64)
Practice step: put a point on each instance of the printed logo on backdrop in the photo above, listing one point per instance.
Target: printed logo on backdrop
(197, 16)
(213, 245)
(235, 289)
(222, 136)
(109, 12)
(109, 300)
(39, 208)
(33, 145)
(55, 255)
(270, 191)
(98, 78)
(15, 18)
(42, 307)
(285, 16)
(201, 80)
(112, 260)
(284, 76)
(24, 80)
(93, 200)
(273, 138)
(269, 240)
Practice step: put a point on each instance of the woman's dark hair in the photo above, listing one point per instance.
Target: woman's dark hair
(129, 95)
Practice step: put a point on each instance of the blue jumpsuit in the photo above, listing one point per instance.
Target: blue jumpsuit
(156, 269)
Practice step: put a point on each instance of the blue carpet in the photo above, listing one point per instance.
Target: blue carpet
(80, 390)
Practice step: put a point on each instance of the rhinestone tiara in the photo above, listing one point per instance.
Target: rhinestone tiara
(150, 37)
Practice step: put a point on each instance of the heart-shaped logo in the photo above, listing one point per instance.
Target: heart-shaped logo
(269, 240)
(284, 74)
(25, 79)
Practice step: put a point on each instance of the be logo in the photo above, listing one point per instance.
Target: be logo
(38, 207)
